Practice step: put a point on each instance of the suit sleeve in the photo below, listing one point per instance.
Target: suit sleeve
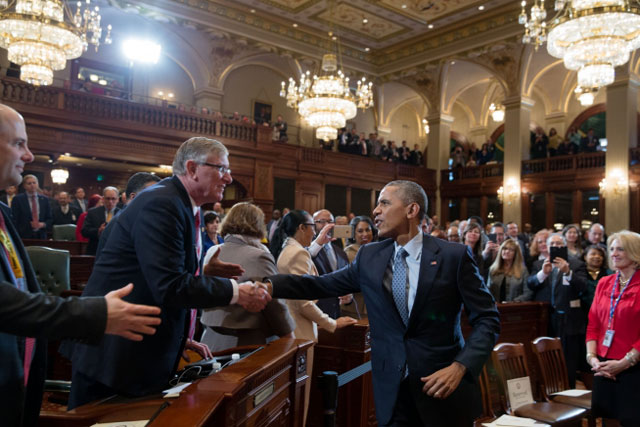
(159, 235)
(483, 316)
(276, 313)
(19, 219)
(41, 316)
(91, 225)
(341, 282)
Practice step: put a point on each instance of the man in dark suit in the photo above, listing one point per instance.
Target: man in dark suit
(9, 193)
(98, 218)
(561, 283)
(155, 244)
(414, 287)
(590, 143)
(64, 213)
(79, 202)
(26, 313)
(328, 257)
(31, 211)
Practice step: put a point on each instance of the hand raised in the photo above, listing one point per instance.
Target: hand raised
(129, 320)
(547, 266)
(215, 267)
(252, 297)
(324, 236)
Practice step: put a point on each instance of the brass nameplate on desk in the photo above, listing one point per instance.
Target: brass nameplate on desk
(263, 394)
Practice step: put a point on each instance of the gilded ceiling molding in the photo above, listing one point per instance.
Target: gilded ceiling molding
(505, 62)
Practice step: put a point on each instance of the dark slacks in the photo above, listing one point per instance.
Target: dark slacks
(414, 408)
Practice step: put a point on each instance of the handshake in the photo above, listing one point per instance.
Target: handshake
(254, 296)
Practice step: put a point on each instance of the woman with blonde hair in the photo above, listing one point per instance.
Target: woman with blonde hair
(508, 275)
(538, 249)
(613, 335)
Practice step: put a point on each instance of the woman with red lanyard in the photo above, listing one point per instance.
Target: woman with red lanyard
(613, 334)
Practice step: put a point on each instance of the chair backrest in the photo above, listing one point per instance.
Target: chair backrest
(64, 232)
(551, 363)
(510, 362)
(485, 390)
(51, 267)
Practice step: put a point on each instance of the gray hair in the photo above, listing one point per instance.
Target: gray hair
(411, 192)
(196, 149)
(564, 239)
(110, 189)
(24, 178)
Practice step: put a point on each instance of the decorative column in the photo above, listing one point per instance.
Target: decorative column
(438, 150)
(209, 97)
(622, 134)
(516, 148)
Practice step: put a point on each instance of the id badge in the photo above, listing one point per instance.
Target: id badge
(608, 337)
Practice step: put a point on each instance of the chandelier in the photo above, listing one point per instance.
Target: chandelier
(59, 175)
(497, 112)
(39, 40)
(592, 36)
(326, 101)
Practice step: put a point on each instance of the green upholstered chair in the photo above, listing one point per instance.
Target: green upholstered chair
(64, 232)
(51, 267)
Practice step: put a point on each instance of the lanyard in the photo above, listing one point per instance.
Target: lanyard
(612, 306)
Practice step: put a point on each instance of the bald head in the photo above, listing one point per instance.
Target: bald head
(8, 116)
(14, 153)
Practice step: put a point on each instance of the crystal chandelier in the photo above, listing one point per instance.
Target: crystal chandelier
(585, 96)
(592, 36)
(39, 40)
(326, 101)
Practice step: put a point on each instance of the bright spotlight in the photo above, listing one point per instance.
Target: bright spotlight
(142, 51)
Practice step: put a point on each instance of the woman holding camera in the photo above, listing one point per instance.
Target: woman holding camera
(613, 335)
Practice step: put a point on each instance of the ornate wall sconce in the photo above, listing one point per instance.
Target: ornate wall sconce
(509, 193)
(615, 185)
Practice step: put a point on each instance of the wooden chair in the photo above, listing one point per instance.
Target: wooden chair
(487, 404)
(553, 369)
(510, 362)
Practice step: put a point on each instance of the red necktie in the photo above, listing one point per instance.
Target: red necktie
(194, 312)
(29, 343)
(34, 208)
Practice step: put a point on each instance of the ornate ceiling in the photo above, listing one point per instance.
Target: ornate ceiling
(379, 37)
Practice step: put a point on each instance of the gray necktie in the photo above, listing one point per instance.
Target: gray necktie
(332, 256)
(399, 284)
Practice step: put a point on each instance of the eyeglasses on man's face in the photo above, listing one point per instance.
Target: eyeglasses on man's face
(221, 168)
(324, 221)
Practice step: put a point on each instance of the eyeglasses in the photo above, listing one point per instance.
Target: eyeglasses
(221, 168)
(324, 221)
(309, 224)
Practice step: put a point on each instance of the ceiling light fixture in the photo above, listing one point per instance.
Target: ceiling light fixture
(497, 112)
(326, 101)
(144, 51)
(592, 36)
(37, 38)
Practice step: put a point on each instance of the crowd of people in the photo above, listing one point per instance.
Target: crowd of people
(374, 146)
(468, 154)
(553, 144)
(182, 260)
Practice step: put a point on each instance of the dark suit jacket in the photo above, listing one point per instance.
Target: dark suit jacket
(566, 320)
(76, 204)
(331, 306)
(71, 217)
(433, 339)
(22, 216)
(151, 244)
(35, 315)
(95, 218)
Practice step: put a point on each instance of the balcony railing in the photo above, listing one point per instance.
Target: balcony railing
(92, 107)
(471, 172)
(564, 163)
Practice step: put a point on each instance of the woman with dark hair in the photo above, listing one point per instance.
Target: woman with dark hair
(95, 200)
(595, 258)
(363, 232)
(231, 326)
(293, 235)
(571, 234)
(472, 237)
(210, 235)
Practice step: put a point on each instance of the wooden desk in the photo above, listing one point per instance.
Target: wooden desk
(74, 247)
(265, 389)
(341, 351)
(80, 268)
